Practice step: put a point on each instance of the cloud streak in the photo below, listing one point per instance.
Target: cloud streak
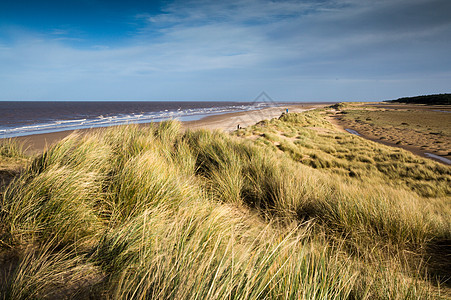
(206, 50)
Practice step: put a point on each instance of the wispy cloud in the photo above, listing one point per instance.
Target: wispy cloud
(213, 50)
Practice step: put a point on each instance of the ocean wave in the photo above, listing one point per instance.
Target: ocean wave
(188, 114)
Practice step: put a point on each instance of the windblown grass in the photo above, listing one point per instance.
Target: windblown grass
(11, 148)
(318, 145)
(154, 213)
(12, 161)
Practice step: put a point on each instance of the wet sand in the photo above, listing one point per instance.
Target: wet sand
(227, 122)
(416, 146)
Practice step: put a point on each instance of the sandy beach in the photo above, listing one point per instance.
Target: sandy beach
(227, 122)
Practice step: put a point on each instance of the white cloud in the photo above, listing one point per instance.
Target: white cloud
(207, 48)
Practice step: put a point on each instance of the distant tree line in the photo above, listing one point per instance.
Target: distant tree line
(437, 99)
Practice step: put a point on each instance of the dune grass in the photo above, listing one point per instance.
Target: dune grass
(157, 213)
(10, 148)
(319, 145)
(12, 159)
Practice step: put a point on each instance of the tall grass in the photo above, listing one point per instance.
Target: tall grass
(49, 273)
(318, 145)
(152, 212)
(12, 148)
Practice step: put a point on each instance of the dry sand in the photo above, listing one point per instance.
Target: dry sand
(230, 122)
(227, 122)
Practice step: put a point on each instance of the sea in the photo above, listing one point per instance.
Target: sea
(35, 117)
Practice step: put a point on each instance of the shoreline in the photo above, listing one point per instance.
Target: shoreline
(37, 143)
(414, 149)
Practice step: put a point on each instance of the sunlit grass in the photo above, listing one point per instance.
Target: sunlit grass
(153, 212)
(320, 146)
(11, 149)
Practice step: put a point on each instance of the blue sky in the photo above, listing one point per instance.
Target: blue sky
(330, 50)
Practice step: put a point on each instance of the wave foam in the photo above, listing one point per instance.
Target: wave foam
(188, 114)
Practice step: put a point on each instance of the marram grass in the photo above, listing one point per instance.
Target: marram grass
(155, 213)
(10, 148)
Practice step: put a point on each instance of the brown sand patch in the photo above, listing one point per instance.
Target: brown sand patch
(423, 130)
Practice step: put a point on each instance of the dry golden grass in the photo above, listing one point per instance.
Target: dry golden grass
(154, 213)
(312, 141)
(12, 160)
